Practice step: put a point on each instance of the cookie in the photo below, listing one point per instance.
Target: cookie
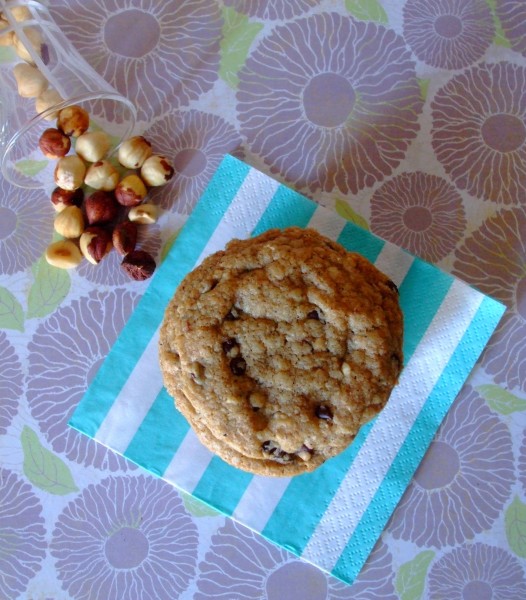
(279, 348)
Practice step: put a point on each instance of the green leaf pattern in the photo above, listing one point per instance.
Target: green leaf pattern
(49, 288)
(348, 213)
(11, 311)
(410, 581)
(367, 10)
(515, 522)
(500, 400)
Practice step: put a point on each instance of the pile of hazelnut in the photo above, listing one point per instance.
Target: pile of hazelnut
(91, 225)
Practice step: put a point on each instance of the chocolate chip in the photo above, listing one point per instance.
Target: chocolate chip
(324, 412)
(313, 314)
(275, 452)
(392, 285)
(238, 365)
(229, 345)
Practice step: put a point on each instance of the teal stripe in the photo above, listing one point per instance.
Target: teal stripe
(356, 239)
(417, 442)
(421, 294)
(222, 486)
(148, 315)
(159, 435)
(323, 483)
(286, 209)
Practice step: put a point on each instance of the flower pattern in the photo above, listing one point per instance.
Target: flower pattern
(464, 480)
(500, 272)
(173, 60)
(477, 571)
(322, 110)
(126, 537)
(23, 216)
(242, 565)
(448, 34)
(512, 16)
(195, 142)
(11, 379)
(420, 212)
(22, 535)
(74, 342)
(479, 135)
(272, 9)
(522, 461)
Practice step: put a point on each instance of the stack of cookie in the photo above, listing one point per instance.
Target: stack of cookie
(279, 348)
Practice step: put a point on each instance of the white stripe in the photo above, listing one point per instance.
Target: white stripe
(134, 400)
(327, 222)
(243, 213)
(394, 262)
(392, 426)
(259, 501)
(188, 464)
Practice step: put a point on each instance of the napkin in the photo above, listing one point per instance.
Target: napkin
(333, 516)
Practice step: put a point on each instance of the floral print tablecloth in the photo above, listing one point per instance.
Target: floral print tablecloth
(408, 118)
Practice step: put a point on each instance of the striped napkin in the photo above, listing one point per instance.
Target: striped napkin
(340, 509)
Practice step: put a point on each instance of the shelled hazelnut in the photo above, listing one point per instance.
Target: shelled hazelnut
(73, 120)
(144, 214)
(124, 237)
(134, 151)
(62, 198)
(139, 265)
(95, 243)
(35, 40)
(53, 143)
(70, 172)
(47, 100)
(102, 175)
(101, 207)
(130, 191)
(29, 80)
(63, 254)
(156, 171)
(93, 146)
(69, 222)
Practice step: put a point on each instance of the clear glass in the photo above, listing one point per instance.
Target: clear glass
(66, 72)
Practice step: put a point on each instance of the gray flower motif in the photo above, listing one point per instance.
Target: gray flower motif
(22, 535)
(327, 111)
(464, 480)
(476, 572)
(125, 537)
(479, 136)
(272, 9)
(24, 215)
(159, 54)
(11, 379)
(512, 16)
(241, 564)
(422, 213)
(71, 344)
(449, 34)
(196, 142)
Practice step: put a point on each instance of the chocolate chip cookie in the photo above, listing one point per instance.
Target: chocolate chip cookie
(279, 348)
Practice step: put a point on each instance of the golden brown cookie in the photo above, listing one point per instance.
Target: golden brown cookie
(279, 348)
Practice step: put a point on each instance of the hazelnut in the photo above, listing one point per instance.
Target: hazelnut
(95, 243)
(47, 100)
(69, 222)
(125, 237)
(102, 175)
(20, 13)
(156, 171)
(101, 207)
(130, 191)
(73, 120)
(53, 143)
(62, 198)
(35, 45)
(30, 81)
(6, 39)
(139, 265)
(93, 146)
(70, 172)
(144, 214)
(63, 254)
(134, 151)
